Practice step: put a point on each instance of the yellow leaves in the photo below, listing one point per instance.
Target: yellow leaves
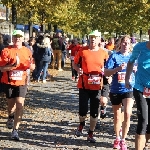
(75, 15)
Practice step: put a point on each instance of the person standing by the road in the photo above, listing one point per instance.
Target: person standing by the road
(141, 91)
(89, 63)
(15, 79)
(119, 95)
(56, 45)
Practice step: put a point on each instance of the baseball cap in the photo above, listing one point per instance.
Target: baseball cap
(95, 33)
(18, 33)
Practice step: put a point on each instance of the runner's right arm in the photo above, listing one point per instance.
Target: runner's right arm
(7, 63)
(111, 71)
(76, 64)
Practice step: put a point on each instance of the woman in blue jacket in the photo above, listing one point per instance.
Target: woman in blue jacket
(43, 55)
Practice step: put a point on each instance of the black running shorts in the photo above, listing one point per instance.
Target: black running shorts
(116, 99)
(15, 91)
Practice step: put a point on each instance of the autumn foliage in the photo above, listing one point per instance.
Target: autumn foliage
(82, 16)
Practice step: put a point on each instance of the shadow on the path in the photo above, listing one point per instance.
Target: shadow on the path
(4, 148)
(52, 98)
(64, 137)
(62, 96)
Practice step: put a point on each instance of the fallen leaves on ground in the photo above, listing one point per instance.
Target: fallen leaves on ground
(3, 106)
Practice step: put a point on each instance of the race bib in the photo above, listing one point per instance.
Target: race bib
(15, 75)
(94, 79)
(146, 93)
(121, 77)
(72, 57)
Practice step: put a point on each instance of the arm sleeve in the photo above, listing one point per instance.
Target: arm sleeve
(135, 53)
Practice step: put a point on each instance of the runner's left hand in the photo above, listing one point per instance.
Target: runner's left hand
(127, 84)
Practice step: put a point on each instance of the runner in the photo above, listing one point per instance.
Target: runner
(119, 95)
(104, 93)
(15, 79)
(74, 47)
(141, 51)
(110, 45)
(89, 63)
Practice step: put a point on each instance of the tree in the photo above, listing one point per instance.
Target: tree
(82, 16)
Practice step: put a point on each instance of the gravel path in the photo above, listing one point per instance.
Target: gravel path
(51, 117)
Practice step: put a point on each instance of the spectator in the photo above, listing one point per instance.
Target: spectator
(43, 56)
(57, 50)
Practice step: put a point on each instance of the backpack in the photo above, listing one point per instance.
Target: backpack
(55, 44)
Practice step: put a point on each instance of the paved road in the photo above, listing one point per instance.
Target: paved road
(51, 117)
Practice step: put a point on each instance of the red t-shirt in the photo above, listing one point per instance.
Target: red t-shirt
(74, 49)
(18, 75)
(92, 63)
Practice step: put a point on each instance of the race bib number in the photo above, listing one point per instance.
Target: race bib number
(15, 75)
(121, 77)
(72, 57)
(146, 93)
(94, 79)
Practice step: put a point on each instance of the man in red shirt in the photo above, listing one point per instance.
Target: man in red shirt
(15, 79)
(74, 47)
(89, 63)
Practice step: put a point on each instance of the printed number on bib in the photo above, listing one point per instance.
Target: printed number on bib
(94, 79)
(121, 77)
(146, 92)
(15, 75)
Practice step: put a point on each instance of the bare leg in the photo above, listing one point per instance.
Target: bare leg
(117, 120)
(19, 111)
(140, 141)
(128, 104)
(11, 106)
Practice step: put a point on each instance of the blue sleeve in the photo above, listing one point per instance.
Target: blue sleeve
(135, 53)
(110, 62)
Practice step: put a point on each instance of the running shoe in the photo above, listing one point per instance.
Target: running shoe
(14, 135)
(116, 144)
(44, 81)
(78, 132)
(123, 145)
(90, 138)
